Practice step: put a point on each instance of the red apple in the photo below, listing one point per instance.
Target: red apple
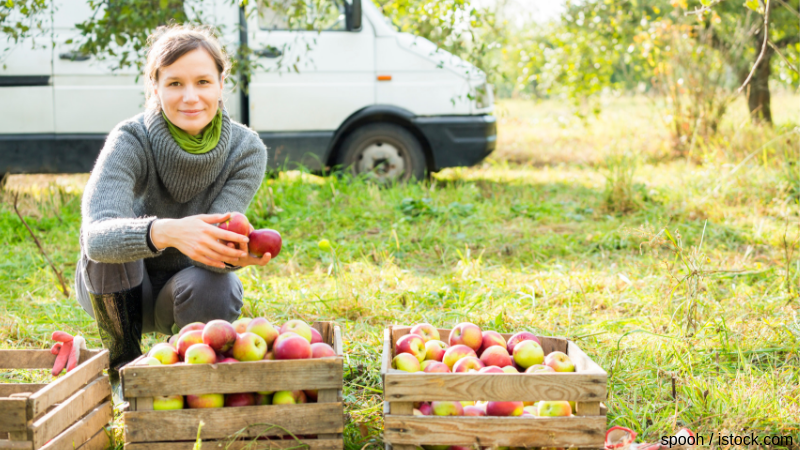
(427, 331)
(191, 327)
(189, 339)
(200, 354)
(164, 353)
(170, 402)
(269, 356)
(447, 408)
(236, 223)
(263, 328)
(528, 353)
(554, 409)
(456, 352)
(315, 336)
(436, 367)
(426, 409)
(491, 369)
(240, 325)
(299, 327)
(434, 350)
(509, 409)
(405, 362)
(249, 347)
(205, 401)
(467, 334)
(283, 336)
(496, 356)
(491, 338)
(519, 337)
(289, 398)
(242, 399)
(475, 411)
(293, 347)
(227, 360)
(559, 361)
(468, 364)
(265, 241)
(219, 335)
(413, 344)
(320, 350)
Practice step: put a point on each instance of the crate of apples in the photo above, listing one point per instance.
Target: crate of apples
(465, 386)
(288, 375)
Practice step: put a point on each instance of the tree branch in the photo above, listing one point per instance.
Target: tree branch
(41, 249)
(783, 57)
(763, 49)
(796, 13)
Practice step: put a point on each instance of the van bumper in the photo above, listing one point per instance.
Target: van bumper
(458, 140)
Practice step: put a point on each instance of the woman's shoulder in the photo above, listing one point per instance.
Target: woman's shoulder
(246, 139)
(131, 130)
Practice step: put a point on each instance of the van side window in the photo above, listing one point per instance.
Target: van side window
(302, 15)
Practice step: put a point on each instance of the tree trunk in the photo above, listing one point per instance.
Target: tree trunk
(758, 91)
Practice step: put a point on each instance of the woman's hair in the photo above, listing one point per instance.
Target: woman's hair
(168, 43)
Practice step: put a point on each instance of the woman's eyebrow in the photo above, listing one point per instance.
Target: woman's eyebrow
(179, 78)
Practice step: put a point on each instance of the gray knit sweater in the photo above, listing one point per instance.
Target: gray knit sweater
(142, 175)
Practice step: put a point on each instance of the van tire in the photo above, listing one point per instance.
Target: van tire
(392, 153)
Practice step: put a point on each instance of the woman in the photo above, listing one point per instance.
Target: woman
(151, 257)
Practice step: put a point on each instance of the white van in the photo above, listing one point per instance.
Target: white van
(358, 94)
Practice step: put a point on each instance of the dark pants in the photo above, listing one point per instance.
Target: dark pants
(190, 295)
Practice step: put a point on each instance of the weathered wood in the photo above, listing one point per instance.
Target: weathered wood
(7, 389)
(70, 410)
(288, 375)
(329, 396)
(12, 445)
(303, 444)
(501, 431)
(587, 409)
(13, 414)
(83, 430)
(34, 359)
(141, 403)
(100, 441)
(418, 387)
(386, 355)
(181, 425)
(65, 386)
(402, 409)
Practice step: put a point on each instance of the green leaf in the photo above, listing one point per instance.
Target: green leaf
(164, 4)
(752, 4)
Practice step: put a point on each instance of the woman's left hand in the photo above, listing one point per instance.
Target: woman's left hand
(250, 260)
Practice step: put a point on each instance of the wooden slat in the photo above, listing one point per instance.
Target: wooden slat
(10, 445)
(65, 386)
(401, 386)
(309, 444)
(181, 425)
(12, 414)
(400, 409)
(100, 441)
(70, 410)
(553, 344)
(152, 381)
(587, 409)
(83, 430)
(499, 431)
(34, 359)
(7, 389)
(330, 396)
(386, 355)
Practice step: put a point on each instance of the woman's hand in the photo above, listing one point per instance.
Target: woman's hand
(199, 238)
(250, 260)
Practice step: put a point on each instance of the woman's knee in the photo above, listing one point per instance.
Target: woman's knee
(199, 295)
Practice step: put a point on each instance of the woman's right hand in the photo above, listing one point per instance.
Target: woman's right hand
(199, 238)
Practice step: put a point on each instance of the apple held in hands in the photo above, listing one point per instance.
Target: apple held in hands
(413, 344)
(299, 327)
(467, 334)
(219, 335)
(236, 223)
(164, 353)
(554, 409)
(265, 241)
(528, 353)
(249, 347)
(560, 362)
(496, 356)
(292, 347)
(405, 362)
(427, 331)
(434, 350)
(205, 401)
(455, 353)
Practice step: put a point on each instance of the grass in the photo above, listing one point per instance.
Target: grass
(693, 283)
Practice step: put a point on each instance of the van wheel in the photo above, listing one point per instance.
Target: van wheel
(384, 153)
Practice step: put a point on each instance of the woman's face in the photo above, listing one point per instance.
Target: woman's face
(189, 90)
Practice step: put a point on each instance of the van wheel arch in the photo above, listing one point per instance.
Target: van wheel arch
(379, 114)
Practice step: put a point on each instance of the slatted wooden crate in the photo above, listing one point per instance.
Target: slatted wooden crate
(318, 425)
(404, 431)
(67, 414)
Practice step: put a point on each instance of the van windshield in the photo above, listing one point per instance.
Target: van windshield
(299, 15)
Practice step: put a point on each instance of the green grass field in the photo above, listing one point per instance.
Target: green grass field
(666, 272)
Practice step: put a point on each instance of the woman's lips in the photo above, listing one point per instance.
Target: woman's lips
(192, 112)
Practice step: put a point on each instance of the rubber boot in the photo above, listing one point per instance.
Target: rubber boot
(119, 320)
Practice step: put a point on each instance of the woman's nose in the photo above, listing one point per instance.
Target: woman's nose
(189, 95)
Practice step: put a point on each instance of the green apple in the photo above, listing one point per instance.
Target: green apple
(528, 353)
(554, 408)
(168, 403)
(560, 362)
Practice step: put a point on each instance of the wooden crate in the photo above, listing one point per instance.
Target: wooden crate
(404, 431)
(67, 414)
(146, 429)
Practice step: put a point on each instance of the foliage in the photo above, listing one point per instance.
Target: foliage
(22, 21)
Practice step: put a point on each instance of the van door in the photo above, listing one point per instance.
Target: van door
(311, 81)
(26, 96)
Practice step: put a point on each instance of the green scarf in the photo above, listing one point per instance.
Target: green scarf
(203, 142)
